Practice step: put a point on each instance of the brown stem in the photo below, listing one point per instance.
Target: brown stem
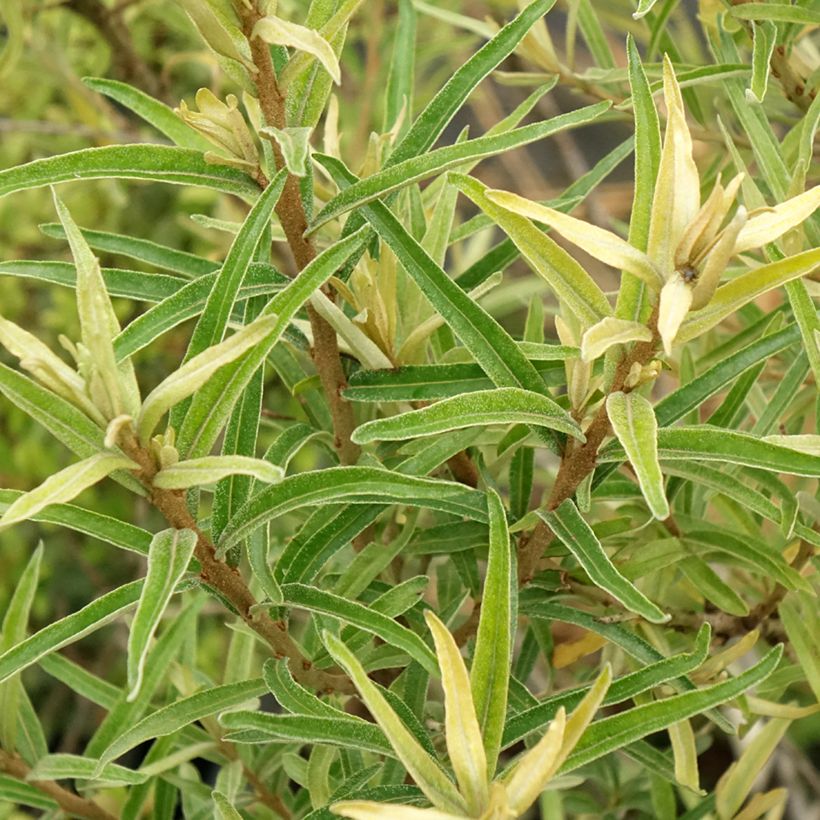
(291, 213)
(227, 579)
(72, 804)
(578, 463)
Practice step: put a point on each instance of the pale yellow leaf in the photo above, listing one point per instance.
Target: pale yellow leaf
(604, 245)
(280, 32)
(738, 780)
(65, 485)
(685, 754)
(772, 223)
(368, 810)
(609, 332)
(677, 192)
(531, 774)
(675, 300)
(463, 733)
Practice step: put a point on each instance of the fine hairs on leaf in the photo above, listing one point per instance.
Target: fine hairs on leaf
(409, 410)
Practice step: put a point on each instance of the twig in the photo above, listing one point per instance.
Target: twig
(291, 213)
(72, 804)
(227, 579)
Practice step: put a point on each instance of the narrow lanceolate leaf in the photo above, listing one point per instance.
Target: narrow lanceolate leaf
(535, 770)
(152, 111)
(568, 525)
(168, 558)
(162, 163)
(262, 727)
(735, 785)
(611, 331)
(352, 485)
(210, 469)
(490, 670)
(626, 687)
(764, 38)
(573, 286)
(65, 485)
(706, 443)
(634, 423)
(600, 243)
(15, 623)
(112, 385)
(371, 810)
(611, 733)
(212, 324)
(75, 767)
(429, 777)
(224, 809)
(362, 616)
(462, 732)
(532, 773)
(216, 398)
(197, 371)
(491, 346)
(400, 175)
(175, 716)
(504, 405)
(432, 121)
(280, 32)
(745, 288)
(69, 629)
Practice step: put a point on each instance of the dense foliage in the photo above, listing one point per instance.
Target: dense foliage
(408, 409)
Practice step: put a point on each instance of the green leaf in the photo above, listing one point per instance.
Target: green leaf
(422, 768)
(210, 469)
(212, 324)
(155, 113)
(69, 629)
(161, 256)
(487, 341)
(568, 525)
(75, 767)
(709, 584)
(437, 381)
(745, 288)
(225, 810)
(179, 166)
(351, 485)
(778, 12)
(257, 552)
(399, 175)
(147, 287)
(213, 403)
(362, 616)
(611, 733)
(182, 713)
(717, 444)
(65, 485)
(764, 38)
(295, 146)
(107, 529)
(624, 688)
(15, 624)
(573, 286)
(633, 421)
(490, 669)
(186, 303)
(191, 376)
(432, 121)
(799, 615)
(168, 558)
(261, 727)
(504, 405)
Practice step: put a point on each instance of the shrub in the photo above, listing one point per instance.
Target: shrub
(426, 484)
